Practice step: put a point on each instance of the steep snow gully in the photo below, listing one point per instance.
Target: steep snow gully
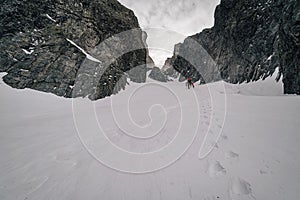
(152, 141)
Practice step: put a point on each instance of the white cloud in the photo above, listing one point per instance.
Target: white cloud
(181, 16)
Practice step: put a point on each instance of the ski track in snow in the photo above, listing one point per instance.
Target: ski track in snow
(43, 158)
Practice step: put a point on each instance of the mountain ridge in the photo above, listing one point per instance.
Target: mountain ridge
(248, 41)
(43, 45)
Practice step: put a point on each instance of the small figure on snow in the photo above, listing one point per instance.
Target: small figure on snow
(189, 83)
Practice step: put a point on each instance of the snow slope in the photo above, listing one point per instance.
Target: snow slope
(52, 148)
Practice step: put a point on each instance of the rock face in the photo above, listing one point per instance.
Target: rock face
(156, 74)
(168, 69)
(248, 41)
(44, 46)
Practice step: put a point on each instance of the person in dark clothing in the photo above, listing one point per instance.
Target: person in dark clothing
(189, 83)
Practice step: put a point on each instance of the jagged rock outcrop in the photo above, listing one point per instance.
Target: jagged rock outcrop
(166, 73)
(247, 42)
(43, 46)
(156, 74)
(150, 62)
(168, 69)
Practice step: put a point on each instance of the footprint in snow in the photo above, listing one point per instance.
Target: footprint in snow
(240, 189)
(211, 197)
(214, 144)
(224, 137)
(215, 169)
(231, 154)
(263, 171)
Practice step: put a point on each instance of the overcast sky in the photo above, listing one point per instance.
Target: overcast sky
(175, 20)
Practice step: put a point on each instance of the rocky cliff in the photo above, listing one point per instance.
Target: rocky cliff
(58, 46)
(248, 41)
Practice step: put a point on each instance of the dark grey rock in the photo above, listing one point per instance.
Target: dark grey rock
(156, 74)
(36, 54)
(171, 72)
(248, 41)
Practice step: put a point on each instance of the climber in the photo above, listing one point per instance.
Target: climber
(189, 83)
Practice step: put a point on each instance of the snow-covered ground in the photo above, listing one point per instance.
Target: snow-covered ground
(54, 148)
